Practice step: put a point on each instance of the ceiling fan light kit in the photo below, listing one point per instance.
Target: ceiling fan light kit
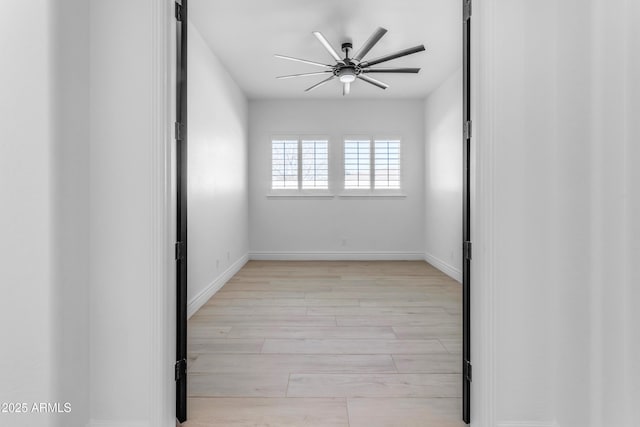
(347, 69)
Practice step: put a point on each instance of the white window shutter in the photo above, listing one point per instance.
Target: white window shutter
(284, 164)
(357, 164)
(387, 164)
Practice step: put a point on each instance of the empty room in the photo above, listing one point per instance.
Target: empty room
(247, 214)
(324, 197)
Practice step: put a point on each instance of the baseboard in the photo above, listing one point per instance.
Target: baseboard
(199, 300)
(447, 269)
(336, 256)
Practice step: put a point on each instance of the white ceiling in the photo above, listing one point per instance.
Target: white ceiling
(245, 34)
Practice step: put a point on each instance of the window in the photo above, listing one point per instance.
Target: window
(357, 164)
(315, 164)
(284, 164)
(387, 164)
(361, 153)
(300, 164)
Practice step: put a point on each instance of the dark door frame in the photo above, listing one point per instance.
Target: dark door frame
(466, 212)
(181, 226)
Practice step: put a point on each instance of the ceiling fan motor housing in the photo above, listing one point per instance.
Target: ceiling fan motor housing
(347, 73)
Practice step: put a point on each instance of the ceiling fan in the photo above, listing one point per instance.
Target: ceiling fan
(348, 69)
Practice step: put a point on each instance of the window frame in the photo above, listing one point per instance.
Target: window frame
(372, 191)
(300, 191)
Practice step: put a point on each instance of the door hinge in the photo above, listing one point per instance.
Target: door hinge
(467, 10)
(467, 250)
(178, 12)
(179, 250)
(179, 131)
(181, 369)
(468, 371)
(466, 128)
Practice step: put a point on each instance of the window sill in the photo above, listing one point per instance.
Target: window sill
(373, 195)
(299, 195)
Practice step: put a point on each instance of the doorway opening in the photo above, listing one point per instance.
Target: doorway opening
(356, 313)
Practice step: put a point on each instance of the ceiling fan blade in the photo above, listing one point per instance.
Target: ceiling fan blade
(373, 81)
(319, 84)
(346, 88)
(366, 47)
(391, 70)
(290, 58)
(303, 74)
(398, 54)
(327, 46)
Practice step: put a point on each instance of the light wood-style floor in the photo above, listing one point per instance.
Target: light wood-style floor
(360, 344)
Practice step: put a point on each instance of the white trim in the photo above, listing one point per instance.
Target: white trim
(335, 256)
(321, 194)
(213, 287)
(105, 423)
(162, 319)
(483, 344)
(379, 194)
(447, 269)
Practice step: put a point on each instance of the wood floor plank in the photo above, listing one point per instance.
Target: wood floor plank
(250, 302)
(436, 363)
(282, 302)
(206, 331)
(253, 310)
(344, 346)
(425, 302)
(311, 332)
(368, 294)
(246, 384)
(427, 331)
(371, 311)
(223, 293)
(374, 385)
(275, 412)
(225, 345)
(264, 320)
(282, 286)
(400, 320)
(292, 363)
(405, 412)
(453, 345)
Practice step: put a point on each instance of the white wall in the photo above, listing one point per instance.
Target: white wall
(218, 236)
(26, 355)
(615, 200)
(631, 393)
(571, 197)
(44, 263)
(363, 228)
(557, 105)
(70, 47)
(443, 176)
